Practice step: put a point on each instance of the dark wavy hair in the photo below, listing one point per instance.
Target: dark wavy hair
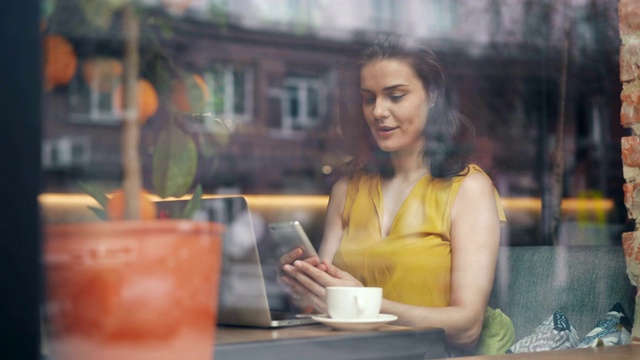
(449, 135)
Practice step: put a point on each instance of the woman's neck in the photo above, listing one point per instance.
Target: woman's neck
(408, 166)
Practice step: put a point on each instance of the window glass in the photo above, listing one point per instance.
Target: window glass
(294, 102)
(215, 79)
(188, 99)
(239, 92)
(276, 101)
(313, 102)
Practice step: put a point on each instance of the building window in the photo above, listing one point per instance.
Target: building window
(302, 103)
(231, 92)
(92, 100)
(66, 152)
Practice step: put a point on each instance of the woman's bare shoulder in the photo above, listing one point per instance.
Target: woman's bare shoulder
(475, 182)
(476, 195)
(339, 189)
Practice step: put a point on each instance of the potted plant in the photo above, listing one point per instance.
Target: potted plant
(134, 286)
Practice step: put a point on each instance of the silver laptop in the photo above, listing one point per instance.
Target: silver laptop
(250, 294)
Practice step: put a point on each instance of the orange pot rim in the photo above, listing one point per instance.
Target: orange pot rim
(120, 226)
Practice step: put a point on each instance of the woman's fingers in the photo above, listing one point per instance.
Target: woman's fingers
(294, 255)
(302, 276)
(300, 287)
(313, 261)
(290, 257)
(332, 270)
(343, 277)
(315, 298)
(297, 289)
(313, 273)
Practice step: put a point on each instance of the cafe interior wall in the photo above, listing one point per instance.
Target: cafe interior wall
(509, 88)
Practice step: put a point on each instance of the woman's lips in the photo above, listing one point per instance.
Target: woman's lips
(385, 130)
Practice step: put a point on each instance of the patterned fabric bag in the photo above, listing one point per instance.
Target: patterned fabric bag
(555, 333)
(613, 329)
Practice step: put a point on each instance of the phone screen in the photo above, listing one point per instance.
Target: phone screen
(290, 235)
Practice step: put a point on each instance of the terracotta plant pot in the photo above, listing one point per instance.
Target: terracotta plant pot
(132, 289)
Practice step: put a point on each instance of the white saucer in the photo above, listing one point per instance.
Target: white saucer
(355, 324)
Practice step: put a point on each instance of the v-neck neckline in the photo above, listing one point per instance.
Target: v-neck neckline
(379, 205)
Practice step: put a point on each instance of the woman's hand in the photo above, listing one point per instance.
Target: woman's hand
(293, 256)
(310, 281)
(287, 259)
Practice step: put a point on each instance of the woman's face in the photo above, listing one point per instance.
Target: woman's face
(395, 105)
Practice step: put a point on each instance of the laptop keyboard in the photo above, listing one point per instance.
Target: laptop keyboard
(279, 315)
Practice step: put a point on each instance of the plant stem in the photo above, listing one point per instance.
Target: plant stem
(131, 128)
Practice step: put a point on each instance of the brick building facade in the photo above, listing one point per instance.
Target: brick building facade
(629, 12)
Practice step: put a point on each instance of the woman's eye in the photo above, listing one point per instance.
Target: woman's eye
(368, 100)
(396, 97)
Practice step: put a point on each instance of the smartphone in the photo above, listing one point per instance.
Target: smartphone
(290, 235)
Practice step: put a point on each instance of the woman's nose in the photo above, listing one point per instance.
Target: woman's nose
(380, 111)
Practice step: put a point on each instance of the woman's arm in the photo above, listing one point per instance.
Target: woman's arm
(333, 221)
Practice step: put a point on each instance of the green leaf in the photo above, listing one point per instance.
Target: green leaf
(174, 162)
(100, 212)
(218, 129)
(194, 204)
(95, 193)
(194, 93)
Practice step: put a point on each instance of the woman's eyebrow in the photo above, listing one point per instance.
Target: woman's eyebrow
(386, 88)
(393, 87)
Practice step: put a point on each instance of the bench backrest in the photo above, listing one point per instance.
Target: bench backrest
(532, 282)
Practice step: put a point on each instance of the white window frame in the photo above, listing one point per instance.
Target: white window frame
(303, 121)
(228, 112)
(66, 152)
(95, 115)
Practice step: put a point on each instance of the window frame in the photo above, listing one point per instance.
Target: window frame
(228, 92)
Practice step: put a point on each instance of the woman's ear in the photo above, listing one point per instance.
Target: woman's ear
(433, 96)
(432, 100)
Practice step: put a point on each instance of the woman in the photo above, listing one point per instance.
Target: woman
(414, 218)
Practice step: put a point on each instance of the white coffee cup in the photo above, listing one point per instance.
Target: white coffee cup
(344, 302)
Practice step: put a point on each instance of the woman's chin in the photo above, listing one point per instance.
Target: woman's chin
(383, 145)
(386, 147)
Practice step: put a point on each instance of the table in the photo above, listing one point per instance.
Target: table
(311, 342)
(609, 352)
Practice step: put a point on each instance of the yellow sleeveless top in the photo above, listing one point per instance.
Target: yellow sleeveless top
(413, 263)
